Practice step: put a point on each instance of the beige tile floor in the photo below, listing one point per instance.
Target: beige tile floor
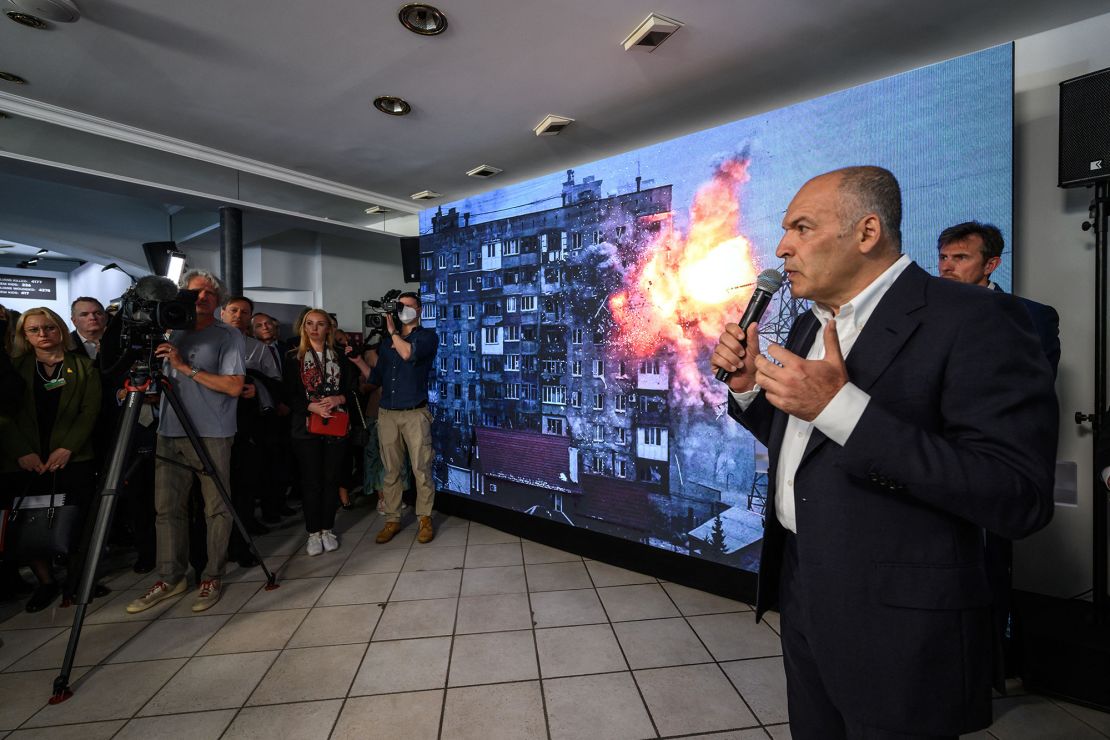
(479, 634)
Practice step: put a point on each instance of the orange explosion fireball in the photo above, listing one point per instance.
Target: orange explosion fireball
(689, 286)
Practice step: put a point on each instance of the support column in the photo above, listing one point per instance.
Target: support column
(231, 249)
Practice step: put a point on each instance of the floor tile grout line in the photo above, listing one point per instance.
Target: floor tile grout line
(88, 674)
(709, 652)
(535, 646)
(451, 649)
(624, 656)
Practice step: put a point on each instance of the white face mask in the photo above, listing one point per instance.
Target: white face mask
(407, 315)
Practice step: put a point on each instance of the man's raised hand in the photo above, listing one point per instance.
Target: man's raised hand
(802, 387)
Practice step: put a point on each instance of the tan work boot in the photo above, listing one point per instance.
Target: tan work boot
(390, 529)
(425, 534)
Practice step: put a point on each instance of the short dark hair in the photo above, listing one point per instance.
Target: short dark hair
(84, 299)
(871, 189)
(414, 296)
(243, 298)
(993, 243)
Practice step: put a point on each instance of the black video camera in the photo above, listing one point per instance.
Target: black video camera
(154, 306)
(387, 306)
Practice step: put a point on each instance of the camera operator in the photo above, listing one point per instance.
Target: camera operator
(256, 402)
(405, 357)
(205, 365)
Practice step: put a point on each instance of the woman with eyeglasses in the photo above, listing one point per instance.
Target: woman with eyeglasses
(319, 383)
(46, 443)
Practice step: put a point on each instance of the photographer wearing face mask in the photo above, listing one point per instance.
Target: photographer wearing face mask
(405, 358)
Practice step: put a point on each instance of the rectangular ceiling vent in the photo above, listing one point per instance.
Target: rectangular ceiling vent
(378, 209)
(426, 195)
(483, 171)
(552, 125)
(654, 30)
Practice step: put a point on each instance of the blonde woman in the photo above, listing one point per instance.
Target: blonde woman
(319, 381)
(46, 442)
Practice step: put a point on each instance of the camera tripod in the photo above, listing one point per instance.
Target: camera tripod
(142, 377)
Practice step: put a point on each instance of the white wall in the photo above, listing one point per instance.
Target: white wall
(90, 279)
(353, 271)
(1054, 264)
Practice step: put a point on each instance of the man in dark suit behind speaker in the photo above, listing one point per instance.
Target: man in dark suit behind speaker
(903, 417)
(970, 252)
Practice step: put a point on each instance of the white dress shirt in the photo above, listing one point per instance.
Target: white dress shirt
(92, 347)
(839, 418)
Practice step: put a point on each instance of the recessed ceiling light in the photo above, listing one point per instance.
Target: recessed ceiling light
(59, 11)
(26, 19)
(426, 195)
(484, 171)
(378, 209)
(43, 250)
(552, 125)
(9, 77)
(392, 105)
(653, 31)
(421, 18)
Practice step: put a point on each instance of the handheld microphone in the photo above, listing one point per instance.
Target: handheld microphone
(766, 285)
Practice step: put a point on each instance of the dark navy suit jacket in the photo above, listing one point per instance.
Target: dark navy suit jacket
(959, 436)
(1047, 324)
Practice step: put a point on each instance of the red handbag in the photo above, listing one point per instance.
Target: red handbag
(334, 426)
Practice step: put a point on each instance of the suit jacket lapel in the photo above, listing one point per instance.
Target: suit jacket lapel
(886, 332)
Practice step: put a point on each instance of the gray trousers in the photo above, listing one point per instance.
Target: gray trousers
(408, 434)
(171, 502)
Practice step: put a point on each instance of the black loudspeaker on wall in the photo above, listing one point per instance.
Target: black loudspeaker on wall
(1085, 129)
(410, 258)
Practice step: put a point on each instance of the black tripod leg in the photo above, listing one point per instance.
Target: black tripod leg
(106, 505)
(210, 471)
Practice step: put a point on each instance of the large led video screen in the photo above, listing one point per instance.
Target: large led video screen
(576, 312)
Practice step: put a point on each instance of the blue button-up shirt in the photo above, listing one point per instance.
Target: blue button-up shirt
(405, 382)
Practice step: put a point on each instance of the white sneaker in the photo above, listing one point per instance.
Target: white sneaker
(208, 595)
(329, 540)
(314, 546)
(381, 506)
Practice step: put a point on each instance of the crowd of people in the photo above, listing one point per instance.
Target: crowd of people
(316, 417)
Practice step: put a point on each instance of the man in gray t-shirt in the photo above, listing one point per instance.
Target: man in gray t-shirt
(217, 349)
(206, 367)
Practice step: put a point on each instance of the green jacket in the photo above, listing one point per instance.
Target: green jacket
(73, 426)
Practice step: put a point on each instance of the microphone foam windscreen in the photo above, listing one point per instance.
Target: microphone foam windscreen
(155, 288)
(769, 281)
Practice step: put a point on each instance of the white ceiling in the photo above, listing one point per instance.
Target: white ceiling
(290, 83)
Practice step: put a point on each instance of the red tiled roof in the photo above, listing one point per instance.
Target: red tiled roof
(540, 460)
(617, 501)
